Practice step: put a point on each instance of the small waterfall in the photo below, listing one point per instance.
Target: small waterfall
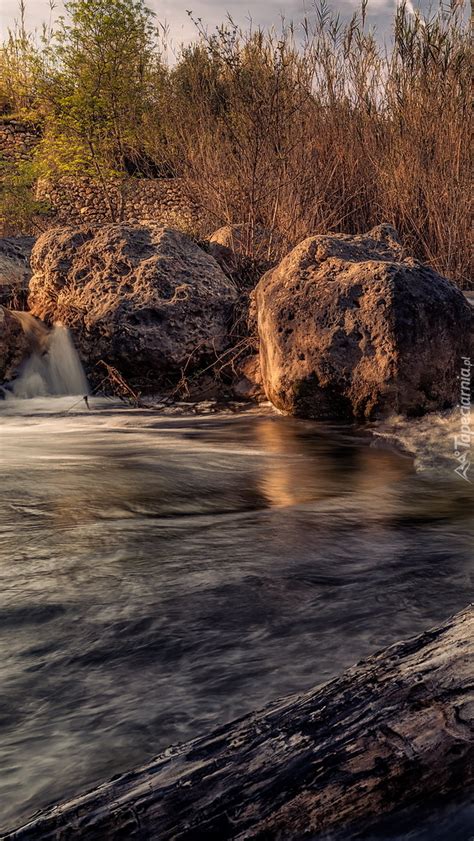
(54, 367)
(36, 330)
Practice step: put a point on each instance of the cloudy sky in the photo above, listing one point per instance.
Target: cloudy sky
(212, 12)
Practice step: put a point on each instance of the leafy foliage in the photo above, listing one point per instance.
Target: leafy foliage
(100, 64)
(18, 205)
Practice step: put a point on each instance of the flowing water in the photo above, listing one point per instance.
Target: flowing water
(160, 575)
(54, 367)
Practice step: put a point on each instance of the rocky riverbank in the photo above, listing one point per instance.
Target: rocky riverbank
(345, 327)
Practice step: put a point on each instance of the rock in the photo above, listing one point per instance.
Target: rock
(243, 254)
(14, 345)
(349, 327)
(236, 238)
(247, 384)
(242, 241)
(142, 297)
(15, 270)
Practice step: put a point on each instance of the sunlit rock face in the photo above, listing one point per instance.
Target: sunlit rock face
(351, 327)
(141, 297)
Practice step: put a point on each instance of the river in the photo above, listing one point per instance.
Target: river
(162, 574)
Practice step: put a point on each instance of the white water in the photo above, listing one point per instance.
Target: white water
(58, 371)
(432, 440)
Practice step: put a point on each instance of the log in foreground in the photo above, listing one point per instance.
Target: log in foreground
(391, 731)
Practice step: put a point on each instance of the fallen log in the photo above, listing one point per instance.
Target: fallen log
(390, 732)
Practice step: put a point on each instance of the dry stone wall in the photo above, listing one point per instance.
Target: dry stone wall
(74, 200)
(18, 138)
(83, 200)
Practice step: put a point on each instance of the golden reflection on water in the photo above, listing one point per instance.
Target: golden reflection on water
(310, 469)
(289, 478)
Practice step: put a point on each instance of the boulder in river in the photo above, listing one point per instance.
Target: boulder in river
(141, 297)
(349, 327)
(247, 383)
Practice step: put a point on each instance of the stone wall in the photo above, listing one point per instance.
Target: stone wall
(83, 200)
(74, 200)
(18, 138)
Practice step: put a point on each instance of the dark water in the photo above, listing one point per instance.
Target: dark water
(159, 576)
(449, 822)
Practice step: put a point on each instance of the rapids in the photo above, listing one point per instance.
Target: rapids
(160, 575)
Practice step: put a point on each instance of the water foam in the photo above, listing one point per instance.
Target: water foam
(430, 439)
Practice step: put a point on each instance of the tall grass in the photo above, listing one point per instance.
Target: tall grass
(333, 133)
(310, 129)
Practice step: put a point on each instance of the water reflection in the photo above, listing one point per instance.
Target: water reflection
(159, 576)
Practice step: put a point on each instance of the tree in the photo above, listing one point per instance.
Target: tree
(18, 60)
(98, 84)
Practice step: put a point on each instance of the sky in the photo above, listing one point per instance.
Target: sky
(212, 12)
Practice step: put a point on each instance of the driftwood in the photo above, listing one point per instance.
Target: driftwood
(392, 731)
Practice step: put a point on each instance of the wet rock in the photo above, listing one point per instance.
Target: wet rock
(351, 327)
(248, 384)
(15, 270)
(142, 297)
(14, 345)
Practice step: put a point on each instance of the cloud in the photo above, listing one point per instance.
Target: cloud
(262, 13)
(212, 12)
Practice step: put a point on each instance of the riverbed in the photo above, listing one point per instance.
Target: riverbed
(161, 574)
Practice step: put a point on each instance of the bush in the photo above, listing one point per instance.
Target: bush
(20, 210)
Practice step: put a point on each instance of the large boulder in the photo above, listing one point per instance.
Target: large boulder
(15, 345)
(349, 327)
(141, 297)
